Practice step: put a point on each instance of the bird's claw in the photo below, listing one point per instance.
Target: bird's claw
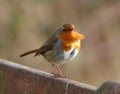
(58, 75)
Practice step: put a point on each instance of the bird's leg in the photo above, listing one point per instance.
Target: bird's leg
(58, 70)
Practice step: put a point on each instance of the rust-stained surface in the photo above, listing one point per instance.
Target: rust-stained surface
(18, 79)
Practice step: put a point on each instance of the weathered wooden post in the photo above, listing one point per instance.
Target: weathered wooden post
(19, 79)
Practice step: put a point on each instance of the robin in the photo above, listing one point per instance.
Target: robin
(61, 47)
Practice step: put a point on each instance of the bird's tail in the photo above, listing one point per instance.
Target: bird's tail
(29, 52)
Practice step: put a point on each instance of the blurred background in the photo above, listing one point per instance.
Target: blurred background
(27, 24)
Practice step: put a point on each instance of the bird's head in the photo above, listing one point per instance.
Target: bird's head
(68, 33)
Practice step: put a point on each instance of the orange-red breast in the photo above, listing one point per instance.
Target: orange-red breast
(61, 47)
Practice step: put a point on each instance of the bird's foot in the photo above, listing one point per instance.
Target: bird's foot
(58, 75)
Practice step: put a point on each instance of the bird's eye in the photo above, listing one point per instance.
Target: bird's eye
(64, 30)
